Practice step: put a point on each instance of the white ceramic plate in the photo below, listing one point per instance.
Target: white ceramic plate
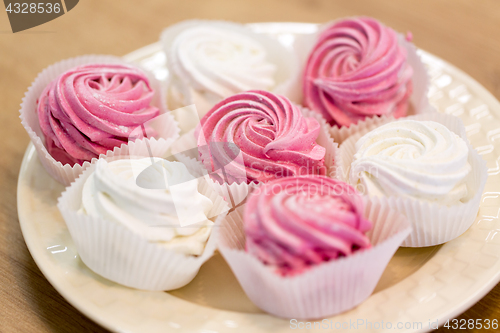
(419, 285)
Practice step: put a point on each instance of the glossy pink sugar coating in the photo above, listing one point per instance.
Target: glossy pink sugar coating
(357, 69)
(274, 138)
(91, 109)
(294, 223)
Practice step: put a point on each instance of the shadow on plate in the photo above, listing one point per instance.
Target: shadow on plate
(216, 286)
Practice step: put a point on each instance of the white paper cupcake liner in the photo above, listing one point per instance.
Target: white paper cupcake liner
(186, 144)
(432, 223)
(287, 76)
(235, 194)
(122, 256)
(186, 148)
(165, 124)
(418, 99)
(326, 289)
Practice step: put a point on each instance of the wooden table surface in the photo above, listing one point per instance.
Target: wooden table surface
(463, 32)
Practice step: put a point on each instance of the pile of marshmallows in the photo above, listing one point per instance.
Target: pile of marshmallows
(256, 170)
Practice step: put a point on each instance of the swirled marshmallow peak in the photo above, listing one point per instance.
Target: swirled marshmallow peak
(136, 194)
(294, 223)
(93, 108)
(220, 61)
(274, 138)
(357, 69)
(410, 158)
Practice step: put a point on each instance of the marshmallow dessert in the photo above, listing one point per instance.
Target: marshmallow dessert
(309, 246)
(419, 159)
(259, 136)
(212, 60)
(357, 69)
(145, 223)
(113, 193)
(295, 223)
(93, 108)
(84, 107)
(422, 166)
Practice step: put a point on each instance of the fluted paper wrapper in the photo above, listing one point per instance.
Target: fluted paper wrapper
(186, 145)
(186, 148)
(120, 255)
(326, 289)
(236, 193)
(165, 124)
(287, 76)
(432, 223)
(419, 101)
